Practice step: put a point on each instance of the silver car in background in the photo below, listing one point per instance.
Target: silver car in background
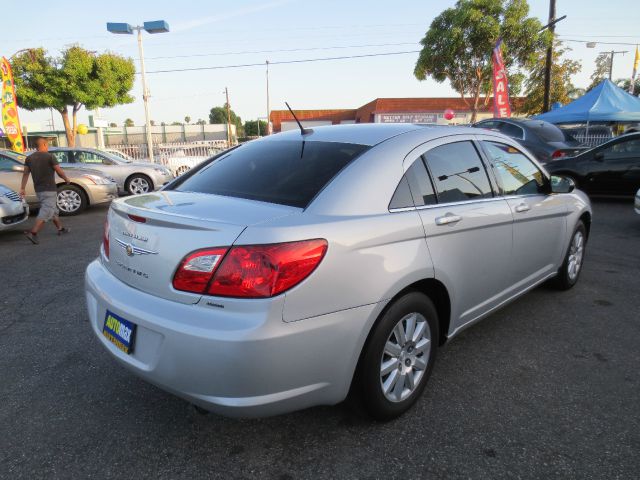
(88, 187)
(132, 177)
(294, 269)
(13, 210)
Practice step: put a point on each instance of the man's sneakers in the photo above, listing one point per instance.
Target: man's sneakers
(32, 237)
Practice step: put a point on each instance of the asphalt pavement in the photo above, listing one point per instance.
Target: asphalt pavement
(548, 387)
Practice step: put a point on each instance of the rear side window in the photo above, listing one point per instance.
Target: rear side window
(284, 172)
(415, 188)
(458, 173)
(512, 131)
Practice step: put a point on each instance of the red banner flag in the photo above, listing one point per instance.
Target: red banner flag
(501, 107)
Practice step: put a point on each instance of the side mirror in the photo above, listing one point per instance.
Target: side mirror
(560, 184)
(598, 156)
(17, 168)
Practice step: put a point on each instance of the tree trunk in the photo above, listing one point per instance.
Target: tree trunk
(70, 133)
(76, 107)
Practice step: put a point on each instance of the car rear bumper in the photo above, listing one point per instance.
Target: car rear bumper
(243, 360)
(102, 193)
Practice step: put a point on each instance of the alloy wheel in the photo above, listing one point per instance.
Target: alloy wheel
(405, 357)
(139, 185)
(69, 201)
(576, 252)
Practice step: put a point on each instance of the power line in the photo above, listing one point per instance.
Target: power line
(261, 64)
(244, 52)
(598, 42)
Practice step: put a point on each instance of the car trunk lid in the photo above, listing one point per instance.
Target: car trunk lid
(150, 234)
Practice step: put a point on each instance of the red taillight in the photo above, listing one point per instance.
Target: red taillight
(196, 270)
(254, 271)
(105, 238)
(558, 154)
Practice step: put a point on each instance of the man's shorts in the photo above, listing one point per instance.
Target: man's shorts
(48, 205)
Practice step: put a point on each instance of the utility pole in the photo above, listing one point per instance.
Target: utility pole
(549, 60)
(613, 53)
(226, 92)
(269, 132)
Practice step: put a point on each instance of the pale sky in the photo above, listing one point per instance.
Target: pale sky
(218, 34)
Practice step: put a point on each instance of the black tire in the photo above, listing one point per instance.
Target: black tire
(136, 181)
(71, 200)
(370, 381)
(567, 278)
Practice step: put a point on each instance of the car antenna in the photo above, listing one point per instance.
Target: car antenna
(303, 131)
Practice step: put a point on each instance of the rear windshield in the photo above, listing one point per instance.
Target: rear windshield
(547, 132)
(284, 172)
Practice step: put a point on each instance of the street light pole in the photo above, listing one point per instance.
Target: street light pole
(157, 26)
(145, 96)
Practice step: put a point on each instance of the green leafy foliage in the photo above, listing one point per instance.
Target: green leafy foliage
(77, 77)
(251, 128)
(219, 115)
(458, 46)
(601, 71)
(128, 123)
(562, 89)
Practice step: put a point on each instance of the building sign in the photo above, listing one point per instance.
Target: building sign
(9, 103)
(408, 118)
(501, 107)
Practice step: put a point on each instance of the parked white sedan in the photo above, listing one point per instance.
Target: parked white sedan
(13, 210)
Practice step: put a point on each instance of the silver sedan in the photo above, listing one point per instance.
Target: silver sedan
(132, 177)
(13, 209)
(294, 269)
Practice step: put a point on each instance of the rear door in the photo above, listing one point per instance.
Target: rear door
(468, 229)
(617, 172)
(539, 218)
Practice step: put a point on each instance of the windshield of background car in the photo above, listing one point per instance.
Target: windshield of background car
(283, 172)
(547, 132)
(20, 157)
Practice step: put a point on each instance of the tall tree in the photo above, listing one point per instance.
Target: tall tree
(128, 122)
(458, 46)
(562, 89)
(219, 115)
(254, 128)
(601, 71)
(624, 84)
(77, 77)
(187, 119)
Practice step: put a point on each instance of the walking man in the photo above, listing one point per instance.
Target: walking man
(43, 166)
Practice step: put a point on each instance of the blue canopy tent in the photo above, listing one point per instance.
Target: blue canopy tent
(604, 103)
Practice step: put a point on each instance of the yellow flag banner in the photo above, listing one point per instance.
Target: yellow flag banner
(9, 101)
(636, 63)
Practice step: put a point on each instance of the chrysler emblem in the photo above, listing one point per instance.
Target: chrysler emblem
(132, 250)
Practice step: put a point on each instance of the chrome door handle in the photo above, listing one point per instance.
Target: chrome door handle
(523, 207)
(448, 219)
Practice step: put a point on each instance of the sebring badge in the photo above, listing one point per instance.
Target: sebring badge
(133, 250)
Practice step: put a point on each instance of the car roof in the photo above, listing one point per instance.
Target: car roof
(366, 133)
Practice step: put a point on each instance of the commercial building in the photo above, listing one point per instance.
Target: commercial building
(389, 110)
